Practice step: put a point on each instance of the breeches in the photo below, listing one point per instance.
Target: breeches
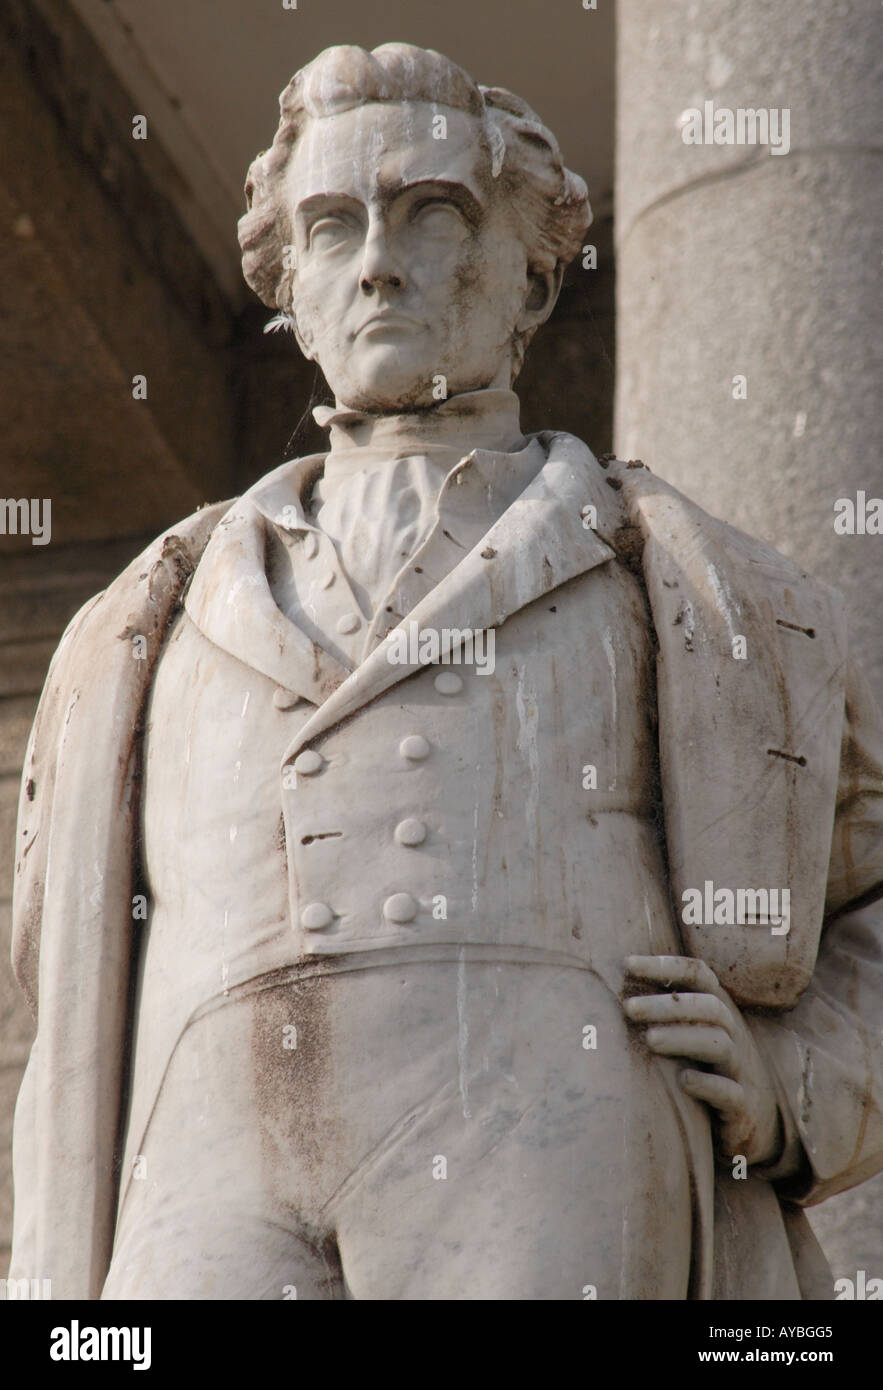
(435, 1130)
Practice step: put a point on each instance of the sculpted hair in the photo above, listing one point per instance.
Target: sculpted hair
(552, 203)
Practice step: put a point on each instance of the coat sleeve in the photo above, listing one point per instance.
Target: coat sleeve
(826, 1054)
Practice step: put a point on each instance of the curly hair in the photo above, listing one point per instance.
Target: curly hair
(551, 202)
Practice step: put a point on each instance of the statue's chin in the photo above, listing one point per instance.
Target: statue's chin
(385, 378)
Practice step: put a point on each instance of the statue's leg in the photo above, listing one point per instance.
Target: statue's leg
(199, 1218)
(204, 1252)
(514, 1153)
(411, 1128)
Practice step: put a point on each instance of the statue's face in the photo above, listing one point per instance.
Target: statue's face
(409, 266)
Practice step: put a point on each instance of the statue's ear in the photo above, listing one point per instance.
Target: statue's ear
(543, 289)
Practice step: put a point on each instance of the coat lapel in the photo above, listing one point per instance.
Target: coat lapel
(539, 543)
(230, 602)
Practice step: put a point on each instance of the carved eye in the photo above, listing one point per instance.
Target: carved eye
(438, 214)
(329, 232)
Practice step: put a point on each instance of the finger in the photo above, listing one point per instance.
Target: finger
(683, 971)
(724, 1094)
(678, 1008)
(695, 1041)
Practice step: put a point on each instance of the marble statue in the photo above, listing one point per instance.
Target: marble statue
(450, 870)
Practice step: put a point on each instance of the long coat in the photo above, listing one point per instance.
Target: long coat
(771, 759)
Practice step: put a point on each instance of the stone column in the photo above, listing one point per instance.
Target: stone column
(734, 262)
(748, 309)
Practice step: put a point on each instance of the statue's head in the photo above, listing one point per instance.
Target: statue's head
(410, 224)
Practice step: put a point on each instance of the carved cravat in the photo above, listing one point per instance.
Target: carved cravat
(393, 483)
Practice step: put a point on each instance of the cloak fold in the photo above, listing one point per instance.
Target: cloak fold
(73, 912)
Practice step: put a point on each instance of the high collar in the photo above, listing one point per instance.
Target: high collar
(487, 419)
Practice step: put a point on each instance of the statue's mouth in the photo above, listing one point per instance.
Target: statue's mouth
(388, 321)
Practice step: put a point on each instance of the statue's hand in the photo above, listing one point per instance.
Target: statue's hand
(698, 1020)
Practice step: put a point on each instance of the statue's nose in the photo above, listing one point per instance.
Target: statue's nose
(379, 268)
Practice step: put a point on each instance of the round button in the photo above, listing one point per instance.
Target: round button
(414, 747)
(316, 916)
(308, 762)
(327, 580)
(411, 832)
(285, 699)
(448, 683)
(348, 623)
(401, 907)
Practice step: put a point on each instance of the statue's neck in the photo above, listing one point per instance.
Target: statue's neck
(487, 419)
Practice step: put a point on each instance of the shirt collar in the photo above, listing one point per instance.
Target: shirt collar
(481, 426)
